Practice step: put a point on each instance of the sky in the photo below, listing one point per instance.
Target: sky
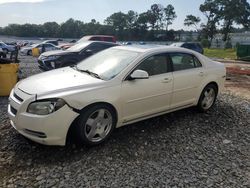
(40, 11)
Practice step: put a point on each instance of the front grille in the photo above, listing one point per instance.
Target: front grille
(17, 97)
(13, 110)
(35, 133)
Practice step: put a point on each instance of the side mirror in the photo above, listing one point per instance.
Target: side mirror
(139, 74)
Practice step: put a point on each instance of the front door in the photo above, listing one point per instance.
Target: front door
(143, 97)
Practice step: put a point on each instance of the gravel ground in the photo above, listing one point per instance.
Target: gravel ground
(181, 149)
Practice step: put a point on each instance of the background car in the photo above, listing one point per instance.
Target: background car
(43, 47)
(7, 48)
(55, 42)
(115, 87)
(71, 56)
(105, 38)
(190, 45)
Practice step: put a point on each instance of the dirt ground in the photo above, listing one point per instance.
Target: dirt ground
(238, 78)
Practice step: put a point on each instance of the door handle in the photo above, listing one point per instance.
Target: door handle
(167, 80)
(201, 74)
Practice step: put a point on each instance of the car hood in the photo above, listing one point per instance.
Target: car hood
(56, 80)
(56, 52)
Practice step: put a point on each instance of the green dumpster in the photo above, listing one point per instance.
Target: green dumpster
(243, 52)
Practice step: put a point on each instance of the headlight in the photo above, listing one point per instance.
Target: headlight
(44, 107)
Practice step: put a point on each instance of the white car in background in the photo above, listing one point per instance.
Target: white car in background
(46, 46)
(115, 87)
(6, 48)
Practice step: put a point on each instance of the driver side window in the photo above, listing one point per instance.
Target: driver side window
(155, 65)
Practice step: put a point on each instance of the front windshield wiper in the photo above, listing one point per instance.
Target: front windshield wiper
(88, 72)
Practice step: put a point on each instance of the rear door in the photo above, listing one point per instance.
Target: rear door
(188, 75)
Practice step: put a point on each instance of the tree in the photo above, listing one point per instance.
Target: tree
(211, 10)
(169, 15)
(233, 12)
(71, 28)
(155, 15)
(192, 20)
(244, 19)
(51, 29)
(141, 25)
(132, 17)
(118, 21)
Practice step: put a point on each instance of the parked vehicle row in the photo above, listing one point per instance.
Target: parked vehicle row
(71, 56)
(113, 88)
(6, 48)
(43, 47)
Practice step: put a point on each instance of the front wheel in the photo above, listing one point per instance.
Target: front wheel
(95, 125)
(207, 98)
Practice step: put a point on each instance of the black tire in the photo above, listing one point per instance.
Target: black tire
(29, 52)
(81, 127)
(205, 107)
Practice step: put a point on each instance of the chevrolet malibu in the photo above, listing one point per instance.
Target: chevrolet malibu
(116, 87)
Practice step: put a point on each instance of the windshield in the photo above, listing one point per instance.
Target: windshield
(78, 46)
(108, 63)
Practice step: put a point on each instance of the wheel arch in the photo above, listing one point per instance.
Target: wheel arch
(71, 129)
(213, 83)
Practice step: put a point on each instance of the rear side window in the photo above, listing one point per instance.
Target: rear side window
(182, 61)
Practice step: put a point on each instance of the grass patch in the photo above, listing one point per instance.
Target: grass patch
(220, 53)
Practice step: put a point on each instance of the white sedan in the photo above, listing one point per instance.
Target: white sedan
(115, 87)
(43, 47)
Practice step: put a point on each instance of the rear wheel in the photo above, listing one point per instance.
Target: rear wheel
(207, 98)
(95, 125)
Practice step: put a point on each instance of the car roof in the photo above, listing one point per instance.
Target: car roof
(98, 36)
(154, 48)
(94, 41)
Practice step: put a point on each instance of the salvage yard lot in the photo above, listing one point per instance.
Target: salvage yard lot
(182, 149)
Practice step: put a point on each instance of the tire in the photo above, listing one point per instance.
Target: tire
(207, 98)
(95, 125)
(29, 52)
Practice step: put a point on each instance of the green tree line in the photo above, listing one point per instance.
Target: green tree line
(153, 24)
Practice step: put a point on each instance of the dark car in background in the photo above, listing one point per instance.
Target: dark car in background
(71, 56)
(190, 45)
